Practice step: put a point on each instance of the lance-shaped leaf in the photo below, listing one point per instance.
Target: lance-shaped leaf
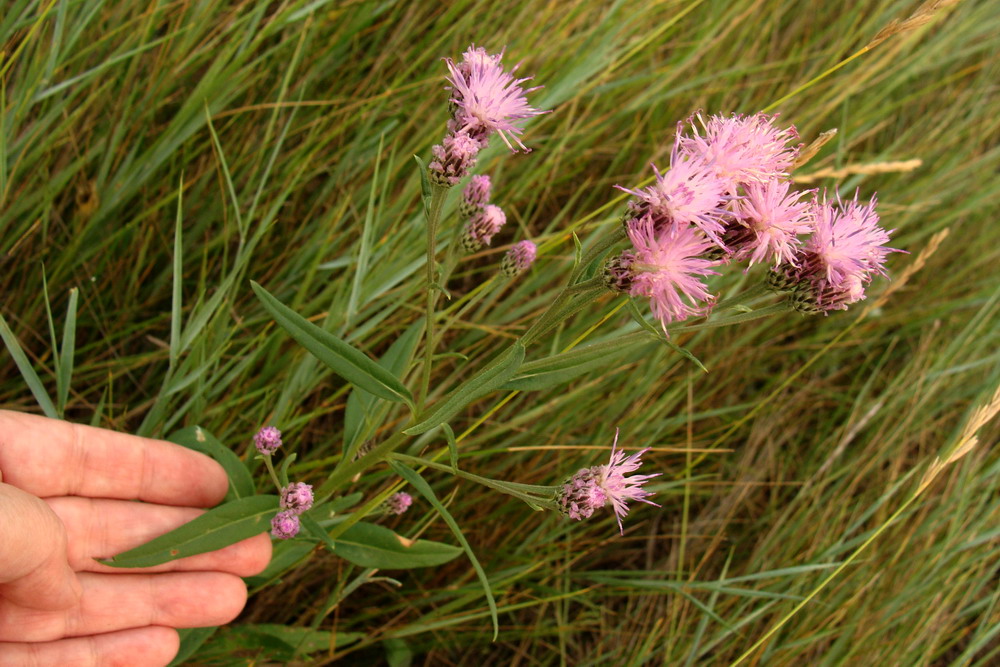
(490, 379)
(346, 361)
(217, 528)
(196, 438)
(369, 545)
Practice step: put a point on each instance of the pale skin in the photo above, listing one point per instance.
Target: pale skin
(67, 496)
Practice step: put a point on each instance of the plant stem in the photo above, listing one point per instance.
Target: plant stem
(433, 218)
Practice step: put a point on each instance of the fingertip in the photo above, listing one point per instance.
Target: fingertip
(258, 557)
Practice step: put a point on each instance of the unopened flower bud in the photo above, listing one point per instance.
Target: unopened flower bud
(297, 497)
(267, 440)
(453, 158)
(480, 229)
(618, 272)
(518, 258)
(398, 503)
(285, 525)
(476, 196)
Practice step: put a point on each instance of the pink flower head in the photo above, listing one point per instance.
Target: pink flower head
(285, 525)
(769, 222)
(398, 503)
(267, 440)
(488, 98)
(845, 251)
(481, 228)
(668, 267)
(741, 149)
(592, 488)
(518, 258)
(476, 195)
(297, 497)
(454, 157)
(687, 194)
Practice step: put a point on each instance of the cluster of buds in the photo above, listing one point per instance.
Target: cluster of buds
(727, 197)
(296, 498)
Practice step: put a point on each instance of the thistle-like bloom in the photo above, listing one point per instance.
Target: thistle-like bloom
(845, 251)
(769, 220)
(592, 488)
(488, 98)
(297, 497)
(687, 194)
(517, 260)
(481, 228)
(285, 525)
(668, 268)
(267, 440)
(475, 196)
(398, 503)
(454, 157)
(741, 149)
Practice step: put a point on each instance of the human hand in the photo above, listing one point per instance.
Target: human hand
(66, 495)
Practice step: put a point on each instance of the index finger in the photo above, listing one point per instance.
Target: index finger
(49, 457)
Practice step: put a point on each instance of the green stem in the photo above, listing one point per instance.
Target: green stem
(433, 218)
(601, 247)
(525, 492)
(754, 292)
(767, 311)
(346, 470)
(270, 470)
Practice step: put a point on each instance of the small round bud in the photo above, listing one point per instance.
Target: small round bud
(297, 497)
(518, 258)
(285, 525)
(481, 228)
(398, 503)
(267, 440)
(476, 196)
(618, 272)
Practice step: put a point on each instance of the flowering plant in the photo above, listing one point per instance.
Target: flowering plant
(724, 199)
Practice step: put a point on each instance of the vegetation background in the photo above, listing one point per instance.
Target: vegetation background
(278, 137)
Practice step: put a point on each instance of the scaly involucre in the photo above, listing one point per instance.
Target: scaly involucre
(769, 220)
(488, 98)
(668, 269)
(689, 193)
(845, 251)
(741, 149)
(592, 488)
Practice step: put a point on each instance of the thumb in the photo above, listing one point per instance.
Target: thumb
(34, 569)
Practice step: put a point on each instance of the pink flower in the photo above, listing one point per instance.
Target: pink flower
(741, 149)
(687, 194)
(285, 525)
(267, 440)
(668, 268)
(845, 251)
(398, 503)
(481, 228)
(454, 157)
(476, 195)
(592, 488)
(487, 98)
(517, 260)
(769, 220)
(297, 497)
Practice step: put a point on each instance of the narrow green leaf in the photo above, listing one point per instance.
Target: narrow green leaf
(414, 478)
(66, 352)
(561, 368)
(449, 435)
(283, 470)
(638, 317)
(358, 413)
(217, 528)
(241, 483)
(425, 186)
(371, 545)
(27, 372)
(578, 252)
(317, 531)
(191, 641)
(348, 362)
(178, 277)
(364, 251)
(493, 377)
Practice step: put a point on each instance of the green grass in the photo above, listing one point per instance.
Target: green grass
(156, 157)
